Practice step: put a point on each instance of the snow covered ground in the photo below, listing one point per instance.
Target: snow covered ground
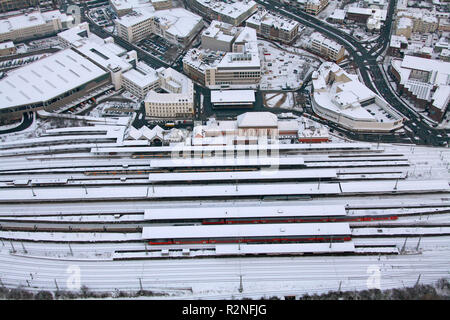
(284, 69)
(372, 176)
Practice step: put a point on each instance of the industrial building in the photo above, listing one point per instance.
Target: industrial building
(85, 66)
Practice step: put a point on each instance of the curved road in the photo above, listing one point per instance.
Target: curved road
(370, 70)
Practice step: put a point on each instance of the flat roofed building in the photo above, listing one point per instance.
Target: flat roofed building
(273, 26)
(49, 82)
(74, 36)
(141, 80)
(177, 25)
(32, 25)
(241, 67)
(232, 98)
(176, 99)
(7, 48)
(230, 12)
(219, 36)
(122, 7)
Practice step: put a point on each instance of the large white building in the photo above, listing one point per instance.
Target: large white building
(177, 25)
(175, 97)
(232, 12)
(341, 98)
(32, 25)
(84, 66)
(141, 80)
(219, 36)
(240, 68)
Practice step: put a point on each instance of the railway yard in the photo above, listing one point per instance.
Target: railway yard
(222, 221)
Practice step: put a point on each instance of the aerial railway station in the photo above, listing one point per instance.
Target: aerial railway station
(258, 233)
(263, 213)
(245, 214)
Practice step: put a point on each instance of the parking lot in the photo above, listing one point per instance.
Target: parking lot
(102, 16)
(160, 48)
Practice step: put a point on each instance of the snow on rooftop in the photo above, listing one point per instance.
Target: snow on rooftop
(142, 76)
(7, 45)
(344, 95)
(257, 230)
(242, 211)
(257, 119)
(47, 78)
(177, 21)
(224, 96)
(29, 20)
(441, 97)
(230, 9)
(273, 20)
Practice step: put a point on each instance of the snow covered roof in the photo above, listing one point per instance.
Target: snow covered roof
(7, 45)
(220, 31)
(256, 230)
(29, 20)
(47, 78)
(441, 97)
(276, 21)
(141, 77)
(130, 4)
(230, 9)
(177, 21)
(103, 56)
(137, 15)
(344, 95)
(232, 211)
(257, 119)
(224, 96)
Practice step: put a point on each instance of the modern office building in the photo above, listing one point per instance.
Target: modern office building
(177, 25)
(173, 99)
(32, 25)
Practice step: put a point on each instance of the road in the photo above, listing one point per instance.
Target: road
(370, 70)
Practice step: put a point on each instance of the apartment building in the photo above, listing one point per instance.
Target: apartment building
(326, 47)
(273, 26)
